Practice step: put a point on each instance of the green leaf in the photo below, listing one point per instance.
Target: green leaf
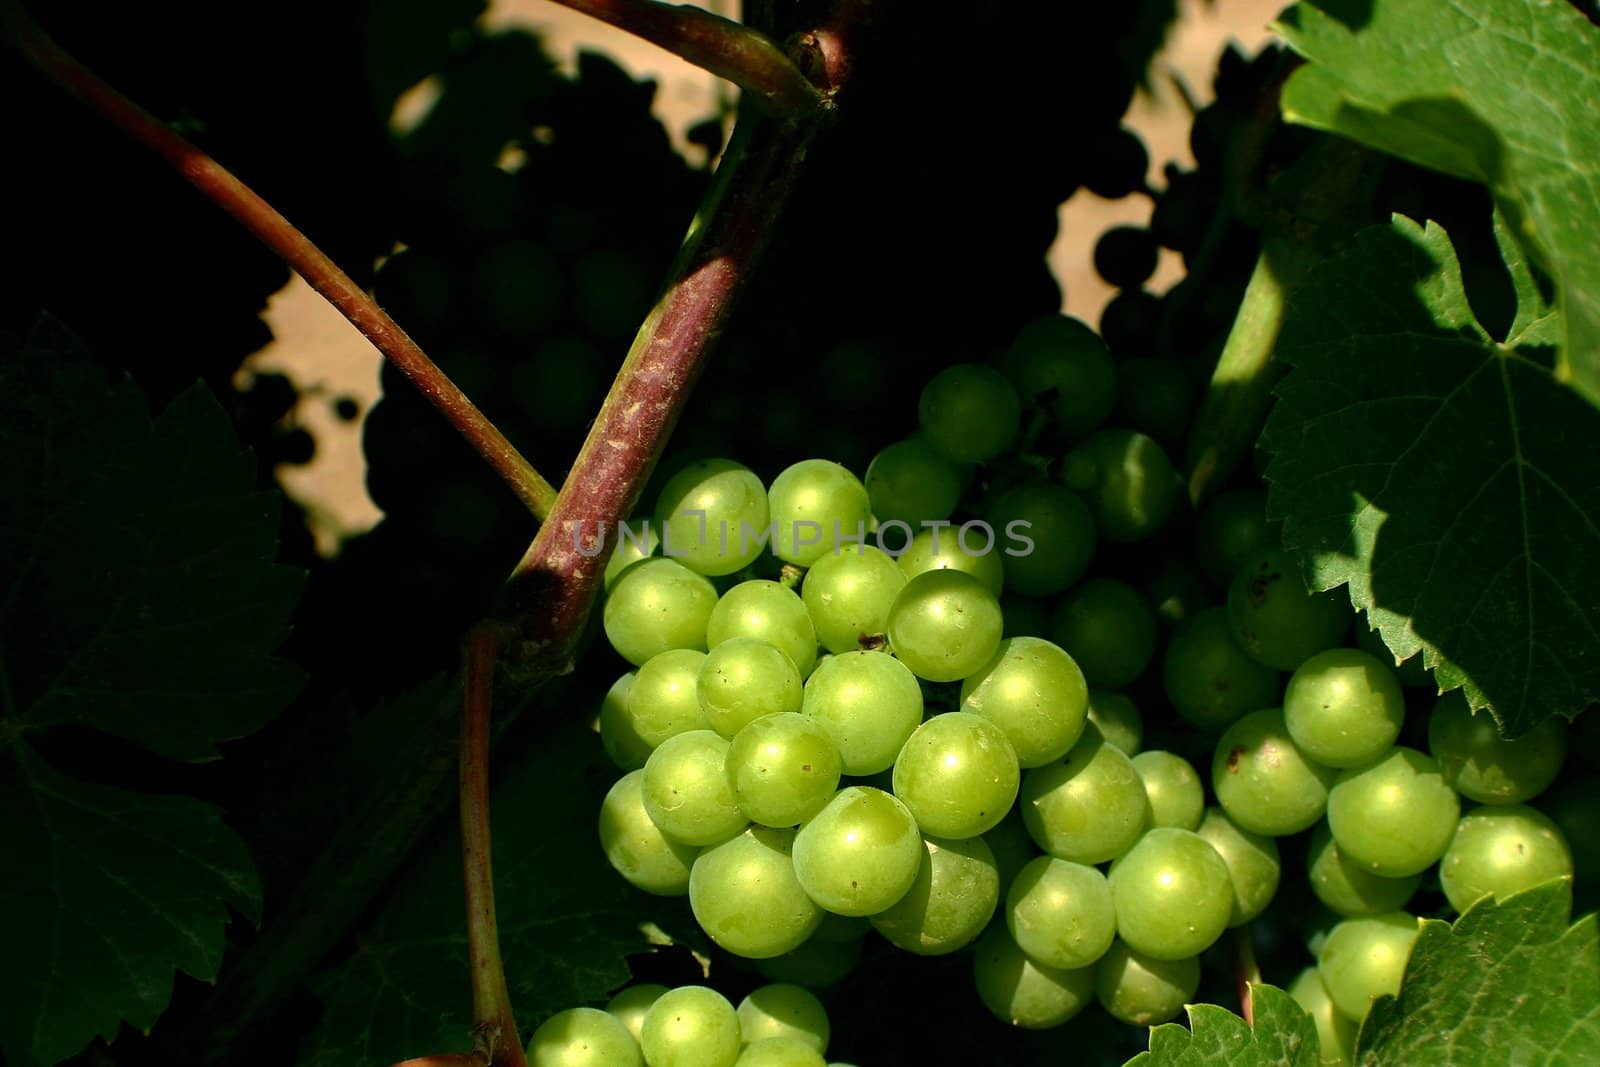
(1448, 479)
(1283, 1036)
(1509, 982)
(1498, 91)
(138, 597)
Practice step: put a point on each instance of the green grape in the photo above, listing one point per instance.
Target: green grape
(958, 775)
(1500, 851)
(664, 700)
(686, 790)
(638, 540)
(1141, 990)
(517, 286)
(636, 847)
(941, 550)
(1343, 708)
(1049, 537)
(1035, 694)
(745, 679)
(1176, 592)
(911, 483)
(842, 927)
(784, 1010)
(712, 513)
(1485, 767)
(1012, 845)
(1336, 1035)
(1061, 913)
(783, 768)
(815, 964)
(1411, 673)
(631, 1005)
(1231, 529)
(780, 1052)
(746, 897)
(1173, 788)
(945, 625)
(954, 896)
(659, 604)
(1394, 816)
(859, 854)
(617, 735)
(870, 702)
(583, 1037)
(1347, 887)
(1156, 396)
(1365, 958)
(1025, 616)
(1025, 992)
(849, 596)
(1276, 619)
(1262, 779)
(1061, 364)
(817, 506)
(1088, 808)
(969, 413)
(1575, 807)
(1252, 860)
(1117, 718)
(1209, 678)
(1173, 894)
(769, 611)
(1135, 486)
(1108, 630)
(691, 1026)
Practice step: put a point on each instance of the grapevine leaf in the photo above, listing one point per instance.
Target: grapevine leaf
(1283, 1036)
(1447, 479)
(1497, 91)
(1509, 982)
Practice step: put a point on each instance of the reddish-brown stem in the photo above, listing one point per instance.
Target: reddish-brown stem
(225, 190)
(1246, 971)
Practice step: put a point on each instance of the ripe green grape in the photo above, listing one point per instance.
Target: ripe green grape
(939, 549)
(870, 703)
(1175, 591)
(1108, 630)
(859, 854)
(849, 596)
(656, 605)
(1210, 680)
(583, 1037)
(1061, 913)
(1173, 788)
(766, 610)
(1173, 894)
(969, 413)
(664, 700)
(842, 927)
(745, 895)
(638, 541)
(958, 775)
(1253, 864)
(1575, 807)
(1231, 529)
(783, 768)
(950, 902)
(1485, 767)
(1025, 616)
(1263, 780)
(712, 514)
(815, 964)
(945, 625)
(1117, 718)
(1141, 990)
(1336, 1035)
(1062, 364)
(1025, 992)
(909, 482)
(636, 847)
(1034, 692)
(1135, 486)
(816, 506)
(617, 734)
(1365, 958)
(686, 790)
(1499, 851)
(691, 1026)
(1088, 808)
(1047, 537)
(631, 1005)
(780, 1052)
(1349, 888)
(1012, 845)
(1276, 619)
(1343, 708)
(745, 679)
(784, 1010)
(1394, 816)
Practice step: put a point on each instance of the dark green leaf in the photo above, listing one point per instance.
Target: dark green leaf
(1283, 1036)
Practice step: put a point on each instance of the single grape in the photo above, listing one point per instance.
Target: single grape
(815, 964)
(636, 847)
(1062, 365)
(583, 1037)
(1012, 845)
(1088, 808)
(1173, 894)
(1262, 779)
(711, 514)
(783, 768)
(817, 506)
(656, 605)
(1503, 850)
(691, 1026)
(1394, 816)
(1253, 864)
(1116, 165)
(849, 596)
(1336, 1035)
(1481, 765)
(842, 927)
(939, 548)
(1117, 718)
(1575, 807)
(1108, 630)
(1035, 694)
(636, 539)
(769, 611)
(1349, 888)
(1276, 619)
(1176, 592)
(860, 854)
(686, 790)
(957, 774)
(969, 413)
(1022, 991)
(631, 1005)
(1135, 486)
(1156, 397)
(1047, 536)
(664, 700)
(1210, 680)
(1231, 529)
(1061, 913)
(1173, 788)
(950, 902)
(1365, 958)
(617, 734)
(1025, 616)
(945, 625)
(870, 703)
(1411, 673)
(746, 897)
(1141, 990)
(780, 1052)
(1343, 707)
(745, 679)
(1125, 256)
(911, 483)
